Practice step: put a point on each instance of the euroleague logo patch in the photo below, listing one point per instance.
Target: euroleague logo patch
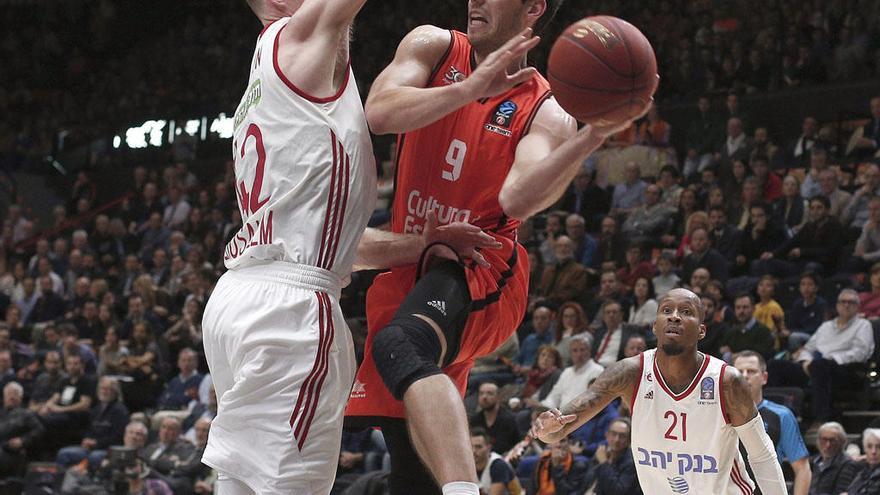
(707, 388)
(453, 75)
(499, 121)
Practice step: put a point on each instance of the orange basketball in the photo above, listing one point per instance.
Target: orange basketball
(602, 70)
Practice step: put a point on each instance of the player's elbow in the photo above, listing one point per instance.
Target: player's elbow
(513, 204)
(378, 118)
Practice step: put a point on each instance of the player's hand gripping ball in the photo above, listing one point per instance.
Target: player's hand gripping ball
(603, 71)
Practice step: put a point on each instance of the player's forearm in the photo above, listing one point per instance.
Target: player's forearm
(406, 108)
(520, 198)
(802, 480)
(379, 249)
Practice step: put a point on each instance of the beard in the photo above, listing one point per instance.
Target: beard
(671, 349)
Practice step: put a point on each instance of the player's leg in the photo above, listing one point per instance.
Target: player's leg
(409, 352)
(408, 473)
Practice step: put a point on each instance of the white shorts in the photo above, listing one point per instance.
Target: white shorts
(282, 361)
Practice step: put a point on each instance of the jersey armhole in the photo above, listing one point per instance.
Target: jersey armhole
(632, 400)
(546, 96)
(442, 61)
(721, 394)
(293, 87)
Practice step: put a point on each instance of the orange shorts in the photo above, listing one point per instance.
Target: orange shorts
(499, 296)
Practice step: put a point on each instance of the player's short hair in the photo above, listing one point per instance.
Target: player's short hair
(762, 363)
(549, 14)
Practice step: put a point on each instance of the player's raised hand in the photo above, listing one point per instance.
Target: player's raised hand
(467, 239)
(548, 423)
(491, 77)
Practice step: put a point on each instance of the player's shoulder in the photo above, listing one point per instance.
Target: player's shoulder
(553, 120)
(426, 41)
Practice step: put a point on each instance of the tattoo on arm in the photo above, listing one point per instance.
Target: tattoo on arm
(616, 381)
(740, 405)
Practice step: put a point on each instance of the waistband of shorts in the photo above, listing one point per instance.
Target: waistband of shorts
(295, 274)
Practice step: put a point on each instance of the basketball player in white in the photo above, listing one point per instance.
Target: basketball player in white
(279, 351)
(689, 412)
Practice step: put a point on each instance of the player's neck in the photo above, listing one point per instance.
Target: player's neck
(514, 67)
(679, 371)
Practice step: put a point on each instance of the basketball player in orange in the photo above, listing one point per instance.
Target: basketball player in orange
(481, 140)
(689, 412)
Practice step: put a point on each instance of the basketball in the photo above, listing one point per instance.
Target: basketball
(602, 70)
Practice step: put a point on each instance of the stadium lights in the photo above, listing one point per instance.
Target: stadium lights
(156, 133)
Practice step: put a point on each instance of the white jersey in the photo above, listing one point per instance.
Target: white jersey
(305, 175)
(682, 443)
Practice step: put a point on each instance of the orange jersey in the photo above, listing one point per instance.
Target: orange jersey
(458, 164)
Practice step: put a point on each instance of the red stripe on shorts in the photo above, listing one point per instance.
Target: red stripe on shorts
(738, 479)
(323, 374)
(307, 390)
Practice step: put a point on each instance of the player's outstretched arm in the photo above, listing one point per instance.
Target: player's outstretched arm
(399, 100)
(618, 380)
(380, 249)
(749, 427)
(548, 158)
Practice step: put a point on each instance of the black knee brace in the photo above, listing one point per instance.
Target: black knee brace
(405, 351)
(408, 349)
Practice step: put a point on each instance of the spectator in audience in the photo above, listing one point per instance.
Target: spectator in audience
(169, 453)
(867, 250)
(750, 196)
(723, 237)
(789, 210)
(496, 419)
(867, 480)
(699, 281)
(543, 376)
(177, 211)
(553, 228)
(609, 289)
(703, 134)
(653, 131)
(495, 475)
(573, 321)
(807, 313)
(869, 302)
(666, 279)
(586, 199)
(353, 453)
(611, 335)
(763, 235)
(66, 413)
(763, 146)
(106, 427)
(681, 220)
(20, 429)
(49, 305)
(575, 378)
(769, 184)
(204, 475)
(584, 244)
(644, 309)
(828, 187)
(649, 220)
(543, 318)
(70, 345)
(610, 247)
(7, 373)
(737, 145)
(669, 186)
(857, 212)
(612, 469)
(183, 388)
(868, 143)
(629, 195)
(818, 163)
(47, 382)
(142, 365)
(635, 345)
(716, 328)
(747, 333)
(815, 247)
(798, 153)
(559, 472)
(636, 267)
(154, 236)
(138, 312)
(833, 470)
(767, 310)
(566, 279)
(780, 423)
(703, 256)
(25, 296)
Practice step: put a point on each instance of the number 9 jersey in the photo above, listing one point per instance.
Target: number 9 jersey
(305, 175)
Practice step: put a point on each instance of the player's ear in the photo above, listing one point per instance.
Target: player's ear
(535, 10)
(702, 331)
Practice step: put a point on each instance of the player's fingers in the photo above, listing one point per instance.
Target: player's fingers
(430, 221)
(476, 256)
(523, 35)
(568, 418)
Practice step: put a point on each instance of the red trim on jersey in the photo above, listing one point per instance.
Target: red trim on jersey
(721, 394)
(345, 191)
(295, 89)
(442, 61)
(632, 401)
(546, 96)
(339, 209)
(266, 28)
(325, 233)
(334, 204)
(678, 397)
(308, 395)
(738, 480)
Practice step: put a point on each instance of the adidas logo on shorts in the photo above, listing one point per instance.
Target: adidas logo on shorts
(439, 306)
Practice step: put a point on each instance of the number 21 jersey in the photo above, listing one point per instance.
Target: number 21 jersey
(683, 443)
